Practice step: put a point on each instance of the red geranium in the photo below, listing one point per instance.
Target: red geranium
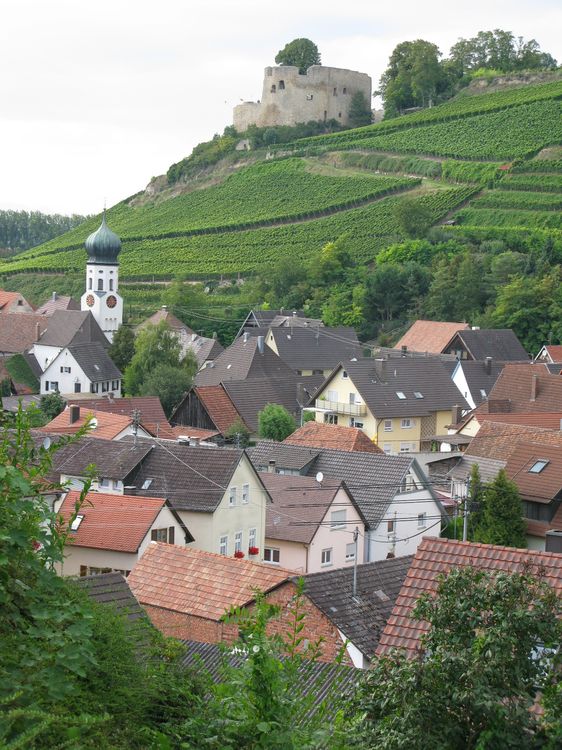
(239, 554)
(253, 550)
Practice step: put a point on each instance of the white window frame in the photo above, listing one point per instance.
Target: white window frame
(238, 539)
(388, 425)
(269, 552)
(350, 552)
(104, 483)
(245, 494)
(422, 520)
(387, 448)
(326, 557)
(252, 537)
(336, 524)
(332, 396)
(223, 544)
(232, 492)
(406, 423)
(405, 447)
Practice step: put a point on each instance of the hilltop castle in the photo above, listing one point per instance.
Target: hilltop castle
(289, 97)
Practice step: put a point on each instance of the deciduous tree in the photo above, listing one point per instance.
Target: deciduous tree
(275, 422)
(302, 53)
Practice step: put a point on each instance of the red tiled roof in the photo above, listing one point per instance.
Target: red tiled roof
(174, 433)
(112, 522)
(543, 486)
(318, 435)
(164, 314)
(218, 405)
(514, 386)
(151, 411)
(555, 352)
(7, 298)
(435, 556)
(18, 331)
(106, 426)
(199, 583)
(547, 420)
(498, 440)
(429, 335)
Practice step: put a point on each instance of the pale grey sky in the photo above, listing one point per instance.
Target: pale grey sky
(97, 96)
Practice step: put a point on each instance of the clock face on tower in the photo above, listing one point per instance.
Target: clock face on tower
(111, 301)
(90, 301)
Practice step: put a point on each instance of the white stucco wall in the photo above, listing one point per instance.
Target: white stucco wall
(45, 354)
(67, 380)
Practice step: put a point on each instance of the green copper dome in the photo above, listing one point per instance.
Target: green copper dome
(103, 245)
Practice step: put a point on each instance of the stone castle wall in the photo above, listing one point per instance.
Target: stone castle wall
(288, 97)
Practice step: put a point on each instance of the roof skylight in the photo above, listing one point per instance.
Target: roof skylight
(417, 394)
(146, 484)
(76, 523)
(538, 466)
(400, 394)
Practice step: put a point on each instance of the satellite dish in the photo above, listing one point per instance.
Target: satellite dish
(47, 443)
(319, 477)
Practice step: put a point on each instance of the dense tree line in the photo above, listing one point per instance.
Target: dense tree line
(418, 76)
(20, 230)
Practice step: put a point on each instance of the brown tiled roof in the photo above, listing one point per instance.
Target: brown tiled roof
(429, 335)
(318, 435)
(543, 486)
(514, 385)
(539, 528)
(151, 411)
(18, 331)
(174, 433)
(298, 505)
(243, 360)
(218, 405)
(107, 426)
(112, 522)
(164, 314)
(498, 440)
(547, 420)
(6, 298)
(199, 583)
(58, 303)
(435, 556)
(555, 352)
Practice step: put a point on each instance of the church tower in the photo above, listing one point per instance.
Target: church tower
(101, 297)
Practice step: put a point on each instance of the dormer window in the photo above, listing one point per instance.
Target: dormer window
(538, 466)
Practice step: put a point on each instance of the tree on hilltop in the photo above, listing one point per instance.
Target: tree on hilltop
(359, 110)
(413, 77)
(302, 53)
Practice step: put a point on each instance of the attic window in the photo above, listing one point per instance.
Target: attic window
(538, 466)
(228, 367)
(401, 395)
(96, 367)
(483, 393)
(344, 374)
(417, 394)
(76, 523)
(146, 484)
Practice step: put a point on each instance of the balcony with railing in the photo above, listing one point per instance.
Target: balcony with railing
(338, 407)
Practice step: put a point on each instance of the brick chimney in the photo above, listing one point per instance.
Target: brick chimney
(534, 386)
(73, 413)
(488, 365)
(271, 467)
(380, 368)
(37, 332)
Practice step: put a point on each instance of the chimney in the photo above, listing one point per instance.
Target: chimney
(403, 349)
(456, 414)
(130, 489)
(193, 336)
(165, 308)
(246, 336)
(73, 413)
(488, 365)
(37, 332)
(54, 296)
(380, 368)
(553, 541)
(271, 467)
(294, 313)
(261, 343)
(302, 397)
(534, 386)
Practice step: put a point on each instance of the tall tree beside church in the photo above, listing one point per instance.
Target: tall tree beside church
(302, 53)
(413, 77)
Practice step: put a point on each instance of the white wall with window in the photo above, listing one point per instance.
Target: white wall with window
(64, 374)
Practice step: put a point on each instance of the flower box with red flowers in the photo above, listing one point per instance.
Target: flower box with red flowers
(253, 550)
(238, 554)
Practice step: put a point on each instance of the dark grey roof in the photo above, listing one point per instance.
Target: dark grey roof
(95, 362)
(373, 479)
(320, 682)
(500, 343)
(103, 246)
(206, 349)
(189, 477)
(66, 327)
(34, 365)
(11, 403)
(250, 396)
(488, 467)
(480, 377)
(379, 381)
(315, 348)
(362, 618)
(554, 368)
(112, 589)
(244, 360)
(114, 459)
(292, 457)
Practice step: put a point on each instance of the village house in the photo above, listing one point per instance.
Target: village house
(66, 328)
(435, 557)
(102, 425)
(110, 532)
(20, 331)
(478, 343)
(82, 368)
(310, 525)
(401, 404)
(475, 379)
(314, 434)
(262, 320)
(550, 354)
(13, 302)
(57, 302)
(431, 336)
(393, 494)
(313, 350)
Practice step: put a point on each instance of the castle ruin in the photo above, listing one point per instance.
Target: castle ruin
(290, 97)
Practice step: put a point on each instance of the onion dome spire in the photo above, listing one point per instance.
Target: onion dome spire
(103, 246)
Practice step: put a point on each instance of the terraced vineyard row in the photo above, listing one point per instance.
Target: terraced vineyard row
(538, 165)
(457, 108)
(369, 229)
(505, 135)
(484, 217)
(519, 199)
(551, 183)
(267, 192)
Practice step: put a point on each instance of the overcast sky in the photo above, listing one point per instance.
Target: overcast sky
(98, 96)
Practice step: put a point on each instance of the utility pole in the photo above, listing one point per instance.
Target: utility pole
(136, 415)
(466, 511)
(355, 539)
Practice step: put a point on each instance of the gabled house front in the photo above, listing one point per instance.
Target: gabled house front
(82, 368)
(401, 404)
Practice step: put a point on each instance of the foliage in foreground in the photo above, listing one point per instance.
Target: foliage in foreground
(474, 679)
